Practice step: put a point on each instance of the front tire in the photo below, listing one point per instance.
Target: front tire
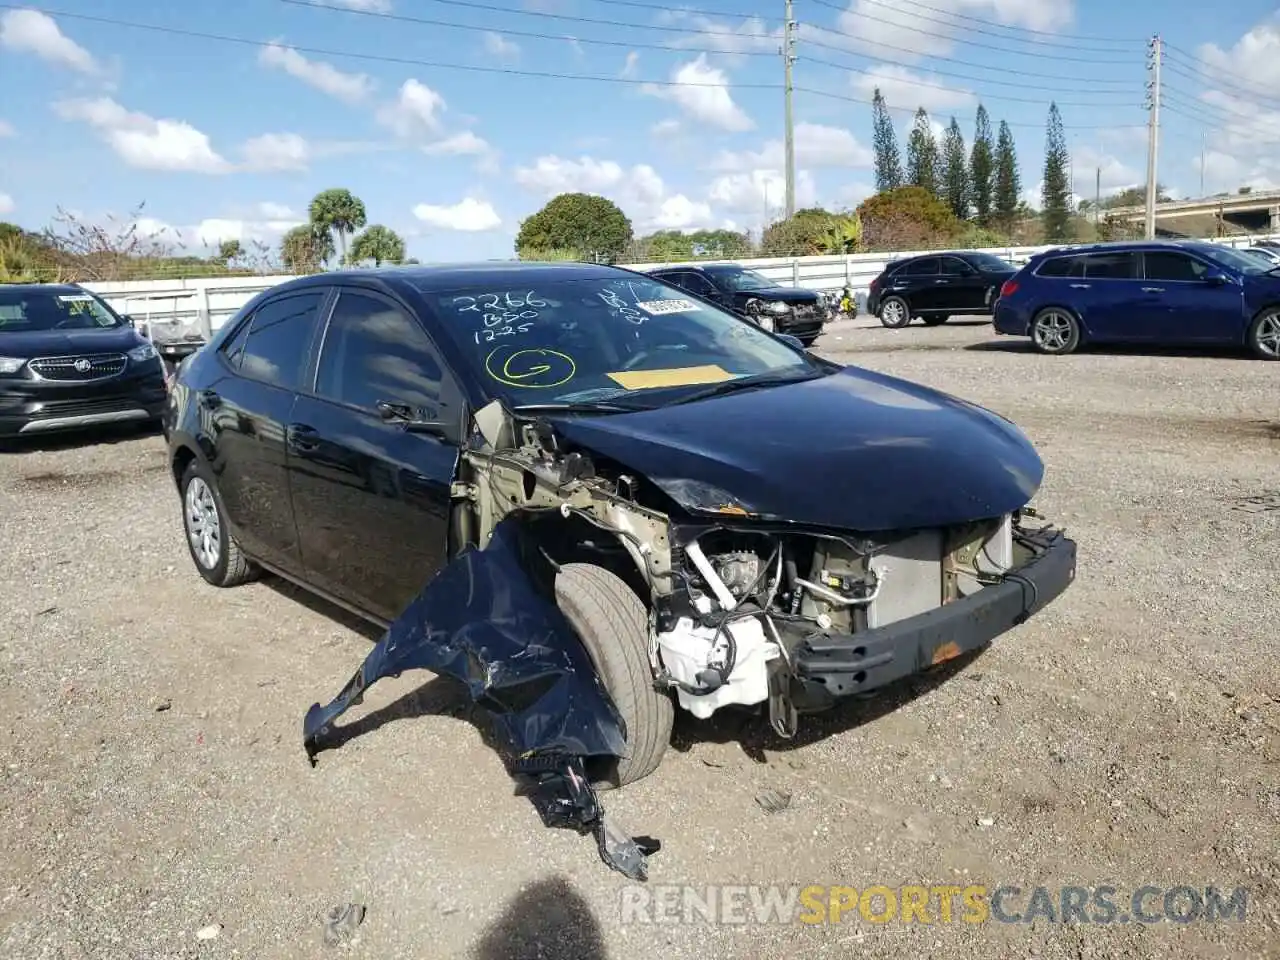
(614, 627)
(213, 549)
(1055, 331)
(894, 313)
(1264, 334)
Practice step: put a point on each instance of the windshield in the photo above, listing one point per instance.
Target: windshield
(988, 261)
(631, 341)
(24, 311)
(1249, 263)
(738, 278)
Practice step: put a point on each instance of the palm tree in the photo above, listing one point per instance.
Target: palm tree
(340, 211)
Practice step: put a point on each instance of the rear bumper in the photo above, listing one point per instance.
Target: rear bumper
(27, 408)
(1007, 320)
(828, 667)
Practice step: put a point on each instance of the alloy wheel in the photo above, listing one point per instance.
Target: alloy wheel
(1268, 335)
(204, 529)
(892, 313)
(1052, 331)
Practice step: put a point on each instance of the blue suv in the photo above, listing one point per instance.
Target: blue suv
(1179, 292)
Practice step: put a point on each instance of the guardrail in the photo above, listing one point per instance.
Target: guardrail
(180, 308)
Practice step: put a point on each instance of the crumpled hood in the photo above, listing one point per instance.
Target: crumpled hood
(854, 450)
(785, 294)
(61, 343)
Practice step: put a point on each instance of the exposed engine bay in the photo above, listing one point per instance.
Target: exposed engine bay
(730, 596)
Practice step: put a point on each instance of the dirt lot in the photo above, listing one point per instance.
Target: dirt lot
(153, 782)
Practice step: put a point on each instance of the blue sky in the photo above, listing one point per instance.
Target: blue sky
(224, 139)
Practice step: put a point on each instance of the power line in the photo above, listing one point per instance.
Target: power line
(1196, 62)
(979, 20)
(950, 37)
(473, 68)
(1185, 74)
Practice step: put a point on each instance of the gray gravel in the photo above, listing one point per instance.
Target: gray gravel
(156, 800)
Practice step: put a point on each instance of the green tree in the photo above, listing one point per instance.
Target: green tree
(305, 248)
(885, 142)
(591, 225)
(1008, 183)
(811, 232)
(379, 244)
(340, 212)
(229, 250)
(906, 218)
(671, 246)
(922, 154)
(955, 167)
(982, 167)
(1055, 191)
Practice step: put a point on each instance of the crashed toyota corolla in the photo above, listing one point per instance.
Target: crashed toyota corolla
(597, 499)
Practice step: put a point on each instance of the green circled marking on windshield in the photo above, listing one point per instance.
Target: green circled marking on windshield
(532, 368)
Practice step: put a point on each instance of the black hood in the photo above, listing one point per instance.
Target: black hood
(854, 450)
(785, 294)
(61, 343)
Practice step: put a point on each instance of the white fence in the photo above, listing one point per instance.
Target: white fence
(201, 306)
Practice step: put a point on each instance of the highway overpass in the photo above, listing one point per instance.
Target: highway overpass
(1241, 213)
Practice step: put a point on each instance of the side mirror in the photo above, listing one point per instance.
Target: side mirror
(790, 340)
(1216, 278)
(130, 320)
(408, 419)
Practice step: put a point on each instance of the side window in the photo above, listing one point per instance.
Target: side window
(1168, 265)
(926, 267)
(677, 279)
(697, 283)
(1061, 267)
(955, 267)
(233, 349)
(374, 351)
(1111, 266)
(275, 350)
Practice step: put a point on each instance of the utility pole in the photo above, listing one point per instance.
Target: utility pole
(1201, 164)
(789, 59)
(1153, 130)
(1097, 196)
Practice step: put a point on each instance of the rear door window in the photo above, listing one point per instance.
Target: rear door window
(924, 267)
(1061, 267)
(1111, 266)
(955, 267)
(279, 341)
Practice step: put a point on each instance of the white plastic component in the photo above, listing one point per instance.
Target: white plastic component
(703, 604)
(687, 649)
(694, 553)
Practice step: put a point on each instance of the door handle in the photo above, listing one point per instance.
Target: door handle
(942, 281)
(302, 437)
(209, 399)
(1080, 286)
(1153, 289)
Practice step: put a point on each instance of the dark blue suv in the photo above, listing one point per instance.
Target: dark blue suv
(1179, 292)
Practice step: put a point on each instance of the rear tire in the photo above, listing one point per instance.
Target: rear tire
(614, 627)
(204, 522)
(1055, 331)
(894, 313)
(1264, 334)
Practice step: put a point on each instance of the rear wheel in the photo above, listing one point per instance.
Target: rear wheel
(614, 627)
(1264, 334)
(1055, 331)
(213, 549)
(895, 313)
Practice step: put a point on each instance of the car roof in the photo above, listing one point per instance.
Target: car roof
(1129, 246)
(50, 288)
(430, 278)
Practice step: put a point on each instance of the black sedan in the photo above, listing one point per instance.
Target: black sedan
(794, 310)
(937, 286)
(68, 361)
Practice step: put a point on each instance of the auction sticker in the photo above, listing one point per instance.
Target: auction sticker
(77, 298)
(658, 307)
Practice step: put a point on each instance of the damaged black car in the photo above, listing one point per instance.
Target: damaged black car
(597, 501)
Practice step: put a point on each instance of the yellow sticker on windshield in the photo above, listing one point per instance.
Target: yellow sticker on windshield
(673, 377)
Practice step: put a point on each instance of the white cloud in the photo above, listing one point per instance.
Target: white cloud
(1087, 164)
(665, 128)
(466, 144)
(276, 151)
(639, 190)
(143, 141)
(702, 92)
(350, 87)
(372, 6)
(499, 47)
(30, 31)
(752, 35)
(755, 191)
(276, 211)
(816, 146)
(629, 68)
(907, 90)
(257, 228)
(415, 112)
(6, 203)
(576, 45)
(467, 215)
(6, 129)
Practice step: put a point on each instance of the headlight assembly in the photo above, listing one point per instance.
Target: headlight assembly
(143, 352)
(11, 365)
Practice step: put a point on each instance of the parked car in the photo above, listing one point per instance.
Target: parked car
(1270, 254)
(938, 286)
(794, 310)
(1179, 292)
(733, 520)
(69, 361)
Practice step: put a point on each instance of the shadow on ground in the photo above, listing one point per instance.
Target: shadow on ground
(546, 921)
(1019, 345)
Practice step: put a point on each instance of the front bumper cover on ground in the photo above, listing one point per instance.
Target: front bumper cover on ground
(830, 666)
(487, 621)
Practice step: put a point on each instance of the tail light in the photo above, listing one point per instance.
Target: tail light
(1009, 288)
(875, 283)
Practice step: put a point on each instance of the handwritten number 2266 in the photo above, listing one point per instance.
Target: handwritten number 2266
(498, 302)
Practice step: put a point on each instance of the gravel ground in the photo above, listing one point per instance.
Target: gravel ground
(157, 802)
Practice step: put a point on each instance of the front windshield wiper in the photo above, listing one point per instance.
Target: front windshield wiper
(578, 406)
(769, 379)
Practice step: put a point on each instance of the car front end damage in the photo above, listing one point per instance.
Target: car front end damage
(744, 610)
